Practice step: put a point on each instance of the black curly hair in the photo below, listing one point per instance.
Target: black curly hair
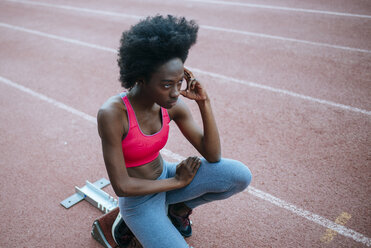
(152, 42)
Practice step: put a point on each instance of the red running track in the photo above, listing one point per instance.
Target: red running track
(314, 156)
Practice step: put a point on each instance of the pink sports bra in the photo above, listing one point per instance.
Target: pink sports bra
(137, 147)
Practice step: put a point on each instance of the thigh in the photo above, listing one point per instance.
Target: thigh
(211, 177)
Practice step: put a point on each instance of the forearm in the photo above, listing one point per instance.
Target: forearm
(137, 186)
(211, 148)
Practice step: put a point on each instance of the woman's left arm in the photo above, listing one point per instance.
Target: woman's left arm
(206, 141)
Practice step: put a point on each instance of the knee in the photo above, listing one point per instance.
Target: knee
(243, 176)
(237, 175)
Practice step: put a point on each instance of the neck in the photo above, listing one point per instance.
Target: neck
(141, 98)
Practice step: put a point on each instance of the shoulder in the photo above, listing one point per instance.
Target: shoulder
(112, 108)
(180, 110)
(112, 116)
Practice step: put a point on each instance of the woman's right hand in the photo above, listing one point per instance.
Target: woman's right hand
(187, 169)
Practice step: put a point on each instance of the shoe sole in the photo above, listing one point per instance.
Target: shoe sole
(115, 224)
(98, 235)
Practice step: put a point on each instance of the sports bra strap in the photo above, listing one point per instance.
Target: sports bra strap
(130, 111)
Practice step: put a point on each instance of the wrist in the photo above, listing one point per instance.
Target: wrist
(178, 183)
(203, 101)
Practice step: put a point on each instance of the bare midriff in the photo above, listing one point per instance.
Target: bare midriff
(151, 170)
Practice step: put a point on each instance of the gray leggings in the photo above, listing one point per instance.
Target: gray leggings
(146, 215)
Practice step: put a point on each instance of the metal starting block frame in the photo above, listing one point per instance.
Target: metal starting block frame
(93, 193)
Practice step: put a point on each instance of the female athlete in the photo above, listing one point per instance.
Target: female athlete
(156, 197)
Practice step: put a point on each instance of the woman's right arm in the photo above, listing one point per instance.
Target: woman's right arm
(111, 125)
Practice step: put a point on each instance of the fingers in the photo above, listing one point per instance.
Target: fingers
(191, 164)
(194, 163)
(191, 81)
(192, 84)
(185, 162)
(189, 91)
(188, 73)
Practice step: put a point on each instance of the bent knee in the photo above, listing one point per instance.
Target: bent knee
(243, 177)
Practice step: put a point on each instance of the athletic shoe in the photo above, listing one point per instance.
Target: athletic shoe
(121, 233)
(182, 223)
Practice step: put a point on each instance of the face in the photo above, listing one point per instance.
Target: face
(165, 83)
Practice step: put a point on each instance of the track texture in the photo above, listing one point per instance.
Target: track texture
(291, 94)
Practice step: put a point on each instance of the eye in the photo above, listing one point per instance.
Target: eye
(167, 86)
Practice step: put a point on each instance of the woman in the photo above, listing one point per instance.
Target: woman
(134, 127)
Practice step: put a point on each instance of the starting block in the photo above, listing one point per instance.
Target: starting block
(93, 193)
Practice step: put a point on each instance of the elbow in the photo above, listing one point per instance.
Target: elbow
(126, 190)
(214, 158)
(121, 190)
(122, 193)
(212, 155)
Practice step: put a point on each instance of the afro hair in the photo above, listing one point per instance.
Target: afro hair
(151, 43)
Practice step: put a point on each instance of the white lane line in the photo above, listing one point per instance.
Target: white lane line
(67, 7)
(264, 6)
(281, 91)
(260, 35)
(49, 100)
(347, 232)
(274, 37)
(56, 37)
(255, 192)
(211, 74)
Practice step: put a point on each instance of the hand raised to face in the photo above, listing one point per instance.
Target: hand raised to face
(194, 90)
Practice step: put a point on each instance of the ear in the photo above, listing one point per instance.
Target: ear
(141, 81)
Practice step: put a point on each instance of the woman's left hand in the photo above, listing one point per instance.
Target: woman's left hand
(195, 90)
